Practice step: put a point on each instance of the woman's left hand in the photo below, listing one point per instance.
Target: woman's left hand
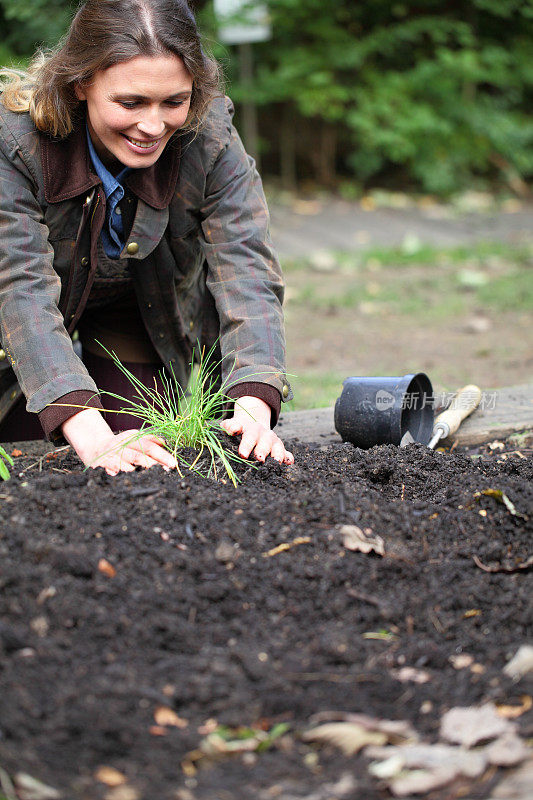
(251, 417)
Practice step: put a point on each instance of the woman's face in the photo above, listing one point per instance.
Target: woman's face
(133, 108)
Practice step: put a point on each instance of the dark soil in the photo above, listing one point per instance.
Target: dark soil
(227, 633)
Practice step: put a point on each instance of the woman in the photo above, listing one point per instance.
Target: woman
(129, 212)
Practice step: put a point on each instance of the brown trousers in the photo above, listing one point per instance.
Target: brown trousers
(19, 426)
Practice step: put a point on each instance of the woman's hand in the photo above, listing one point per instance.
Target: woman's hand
(251, 417)
(97, 445)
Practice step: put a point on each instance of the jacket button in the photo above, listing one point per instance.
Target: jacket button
(84, 261)
(132, 248)
(2, 355)
(285, 391)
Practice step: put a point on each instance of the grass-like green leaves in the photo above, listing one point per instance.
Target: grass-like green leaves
(5, 459)
(186, 419)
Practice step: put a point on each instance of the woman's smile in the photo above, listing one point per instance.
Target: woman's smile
(144, 146)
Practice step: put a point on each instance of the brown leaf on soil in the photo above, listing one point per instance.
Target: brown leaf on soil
(281, 548)
(421, 781)
(106, 568)
(165, 716)
(29, 788)
(356, 540)
(209, 726)
(46, 594)
(122, 793)
(461, 661)
(472, 612)
(110, 776)
(347, 736)
(521, 663)
(397, 730)
(512, 712)
(471, 725)
(502, 568)
(411, 675)
(507, 751)
(416, 769)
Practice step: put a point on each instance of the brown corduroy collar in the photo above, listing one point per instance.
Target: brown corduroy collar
(68, 171)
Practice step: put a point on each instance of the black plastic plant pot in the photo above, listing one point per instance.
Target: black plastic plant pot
(382, 410)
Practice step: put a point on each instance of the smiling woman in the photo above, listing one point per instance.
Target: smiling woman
(132, 216)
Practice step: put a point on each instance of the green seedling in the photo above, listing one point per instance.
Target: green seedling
(382, 635)
(4, 458)
(186, 419)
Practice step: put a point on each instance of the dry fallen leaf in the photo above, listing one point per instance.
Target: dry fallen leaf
(353, 538)
(397, 730)
(512, 712)
(521, 663)
(281, 548)
(421, 755)
(29, 788)
(503, 567)
(106, 568)
(461, 661)
(122, 793)
(507, 751)
(421, 781)
(347, 736)
(164, 715)
(209, 726)
(471, 725)
(410, 674)
(110, 776)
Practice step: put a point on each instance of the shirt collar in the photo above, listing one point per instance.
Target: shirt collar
(110, 182)
(68, 172)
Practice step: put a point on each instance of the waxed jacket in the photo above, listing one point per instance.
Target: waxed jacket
(201, 223)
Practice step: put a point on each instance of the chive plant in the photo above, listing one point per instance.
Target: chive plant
(5, 459)
(185, 419)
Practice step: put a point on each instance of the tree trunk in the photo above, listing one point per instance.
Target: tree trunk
(287, 147)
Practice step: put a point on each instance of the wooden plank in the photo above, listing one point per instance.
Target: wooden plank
(501, 413)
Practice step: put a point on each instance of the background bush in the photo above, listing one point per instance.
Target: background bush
(431, 96)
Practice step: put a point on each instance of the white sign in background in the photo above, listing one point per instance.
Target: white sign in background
(252, 25)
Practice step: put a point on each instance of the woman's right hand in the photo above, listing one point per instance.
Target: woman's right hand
(97, 445)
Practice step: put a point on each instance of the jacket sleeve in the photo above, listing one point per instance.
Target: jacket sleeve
(31, 326)
(243, 274)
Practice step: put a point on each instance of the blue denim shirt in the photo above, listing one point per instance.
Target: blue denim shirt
(113, 231)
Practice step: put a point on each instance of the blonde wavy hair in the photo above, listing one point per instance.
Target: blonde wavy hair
(104, 33)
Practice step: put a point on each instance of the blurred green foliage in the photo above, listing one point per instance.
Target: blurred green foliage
(28, 24)
(434, 96)
(437, 94)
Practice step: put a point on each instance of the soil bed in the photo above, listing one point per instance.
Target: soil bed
(189, 613)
